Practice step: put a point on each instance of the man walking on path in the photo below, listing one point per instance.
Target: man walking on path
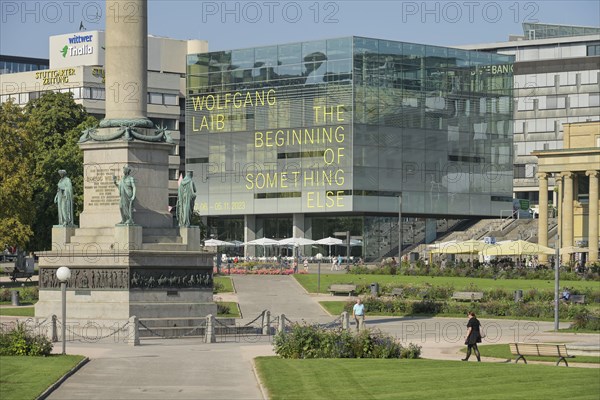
(358, 312)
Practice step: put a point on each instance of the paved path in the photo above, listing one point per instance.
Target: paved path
(278, 294)
(191, 369)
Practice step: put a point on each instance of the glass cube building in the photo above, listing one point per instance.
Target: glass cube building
(308, 139)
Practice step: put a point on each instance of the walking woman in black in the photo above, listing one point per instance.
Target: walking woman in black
(473, 336)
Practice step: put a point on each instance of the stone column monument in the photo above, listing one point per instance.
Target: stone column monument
(140, 265)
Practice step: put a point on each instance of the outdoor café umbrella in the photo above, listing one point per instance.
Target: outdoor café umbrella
(466, 247)
(573, 249)
(517, 248)
(216, 242)
(330, 241)
(296, 242)
(262, 242)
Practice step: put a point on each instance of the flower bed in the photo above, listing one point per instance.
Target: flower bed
(257, 271)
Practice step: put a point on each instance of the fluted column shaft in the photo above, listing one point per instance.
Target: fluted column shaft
(593, 216)
(567, 205)
(543, 214)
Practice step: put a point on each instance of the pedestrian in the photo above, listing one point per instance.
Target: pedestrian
(358, 312)
(333, 263)
(473, 336)
(306, 264)
(339, 263)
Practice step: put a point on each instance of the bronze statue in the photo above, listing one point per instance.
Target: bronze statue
(126, 188)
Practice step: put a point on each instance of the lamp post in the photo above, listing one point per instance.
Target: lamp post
(400, 238)
(63, 274)
(557, 260)
(319, 256)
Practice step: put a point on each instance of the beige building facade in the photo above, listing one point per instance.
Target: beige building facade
(576, 170)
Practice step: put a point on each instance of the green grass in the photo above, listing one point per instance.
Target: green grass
(23, 378)
(17, 311)
(422, 379)
(234, 310)
(226, 282)
(503, 351)
(309, 282)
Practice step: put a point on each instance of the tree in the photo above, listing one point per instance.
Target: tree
(54, 122)
(36, 141)
(16, 163)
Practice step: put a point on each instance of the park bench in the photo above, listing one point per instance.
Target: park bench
(397, 292)
(342, 288)
(577, 298)
(467, 296)
(540, 349)
(16, 273)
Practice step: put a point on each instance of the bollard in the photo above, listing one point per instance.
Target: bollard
(210, 329)
(518, 295)
(133, 331)
(14, 296)
(345, 320)
(54, 330)
(281, 326)
(266, 329)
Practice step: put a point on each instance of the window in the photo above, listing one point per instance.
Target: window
(171, 99)
(555, 102)
(520, 171)
(154, 98)
(593, 49)
(594, 100)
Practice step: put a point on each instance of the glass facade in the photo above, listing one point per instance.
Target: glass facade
(12, 64)
(344, 125)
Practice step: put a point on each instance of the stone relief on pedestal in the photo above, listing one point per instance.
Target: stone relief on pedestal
(170, 279)
(87, 278)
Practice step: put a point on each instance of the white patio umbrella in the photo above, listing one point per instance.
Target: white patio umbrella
(330, 241)
(262, 242)
(217, 242)
(296, 241)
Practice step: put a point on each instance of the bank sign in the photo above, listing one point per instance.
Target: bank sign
(75, 49)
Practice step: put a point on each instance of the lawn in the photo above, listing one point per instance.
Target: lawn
(225, 284)
(23, 378)
(422, 379)
(309, 282)
(17, 311)
(234, 310)
(503, 351)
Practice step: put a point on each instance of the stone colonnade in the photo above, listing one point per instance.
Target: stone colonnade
(565, 221)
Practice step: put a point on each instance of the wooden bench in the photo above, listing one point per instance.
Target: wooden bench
(577, 298)
(342, 288)
(540, 349)
(467, 296)
(397, 292)
(16, 274)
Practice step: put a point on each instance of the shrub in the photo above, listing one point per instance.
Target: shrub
(223, 308)
(586, 320)
(312, 341)
(19, 341)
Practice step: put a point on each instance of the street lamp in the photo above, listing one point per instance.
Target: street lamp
(63, 274)
(400, 238)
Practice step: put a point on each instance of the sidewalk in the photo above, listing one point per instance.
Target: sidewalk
(192, 369)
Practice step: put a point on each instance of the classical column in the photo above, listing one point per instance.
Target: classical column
(567, 219)
(593, 216)
(126, 63)
(543, 214)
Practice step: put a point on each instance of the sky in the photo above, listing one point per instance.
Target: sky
(25, 25)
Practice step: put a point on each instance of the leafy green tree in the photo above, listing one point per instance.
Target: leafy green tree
(36, 141)
(16, 163)
(54, 122)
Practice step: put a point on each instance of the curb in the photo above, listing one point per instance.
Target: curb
(263, 390)
(59, 382)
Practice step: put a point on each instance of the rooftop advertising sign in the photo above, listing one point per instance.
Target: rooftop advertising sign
(75, 49)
